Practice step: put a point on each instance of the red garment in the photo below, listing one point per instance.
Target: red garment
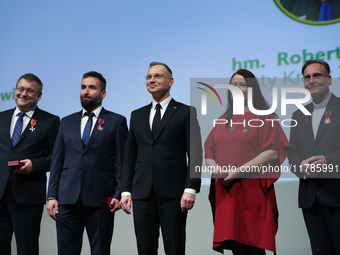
(245, 210)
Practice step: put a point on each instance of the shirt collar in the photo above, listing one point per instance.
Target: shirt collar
(323, 104)
(164, 103)
(96, 111)
(28, 114)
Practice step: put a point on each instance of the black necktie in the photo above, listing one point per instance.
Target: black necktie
(17, 129)
(156, 120)
(87, 129)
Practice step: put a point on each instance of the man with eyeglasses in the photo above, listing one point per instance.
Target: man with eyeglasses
(156, 175)
(27, 136)
(316, 154)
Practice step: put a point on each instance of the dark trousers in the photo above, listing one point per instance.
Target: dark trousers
(24, 220)
(323, 226)
(71, 221)
(152, 213)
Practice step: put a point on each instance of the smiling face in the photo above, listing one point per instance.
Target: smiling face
(158, 82)
(27, 95)
(239, 81)
(317, 81)
(91, 94)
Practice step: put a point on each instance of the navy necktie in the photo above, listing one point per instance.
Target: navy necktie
(17, 129)
(87, 129)
(156, 120)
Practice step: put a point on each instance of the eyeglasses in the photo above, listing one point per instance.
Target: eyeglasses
(29, 92)
(316, 77)
(156, 76)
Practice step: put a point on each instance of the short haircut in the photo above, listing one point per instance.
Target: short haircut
(162, 64)
(316, 61)
(96, 75)
(29, 77)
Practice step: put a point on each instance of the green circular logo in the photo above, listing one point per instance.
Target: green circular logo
(311, 12)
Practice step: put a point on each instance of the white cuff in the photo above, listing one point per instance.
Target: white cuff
(125, 193)
(191, 191)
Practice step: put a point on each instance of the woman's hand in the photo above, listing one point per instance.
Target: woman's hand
(232, 176)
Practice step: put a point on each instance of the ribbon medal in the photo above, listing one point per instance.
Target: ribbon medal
(100, 125)
(33, 122)
(328, 115)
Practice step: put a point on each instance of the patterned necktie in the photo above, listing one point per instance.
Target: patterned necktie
(17, 129)
(156, 120)
(87, 129)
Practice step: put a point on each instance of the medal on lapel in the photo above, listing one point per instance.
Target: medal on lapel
(328, 115)
(100, 125)
(33, 122)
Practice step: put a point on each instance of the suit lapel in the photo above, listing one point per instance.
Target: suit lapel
(332, 105)
(170, 110)
(96, 131)
(7, 123)
(308, 125)
(145, 120)
(77, 130)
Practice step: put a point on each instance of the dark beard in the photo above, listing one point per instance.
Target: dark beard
(90, 105)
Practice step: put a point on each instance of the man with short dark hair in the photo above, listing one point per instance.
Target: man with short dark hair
(156, 175)
(27, 136)
(316, 146)
(85, 172)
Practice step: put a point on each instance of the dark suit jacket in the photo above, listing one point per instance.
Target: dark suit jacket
(161, 162)
(327, 143)
(92, 173)
(36, 146)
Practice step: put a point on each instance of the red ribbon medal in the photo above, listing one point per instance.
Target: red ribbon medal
(100, 125)
(33, 122)
(328, 114)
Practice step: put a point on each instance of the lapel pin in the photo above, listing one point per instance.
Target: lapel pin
(100, 125)
(328, 115)
(33, 122)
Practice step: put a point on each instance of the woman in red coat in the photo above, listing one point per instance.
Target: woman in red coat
(243, 202)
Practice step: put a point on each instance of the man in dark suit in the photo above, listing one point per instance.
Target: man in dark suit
(155, 171)
(86, 171)
(27, 135)
(316, 156)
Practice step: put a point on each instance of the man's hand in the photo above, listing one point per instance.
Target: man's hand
(125, 203)
(51, 205)
(114, 205)
(311, 163)
(27, 168)
(187, 201)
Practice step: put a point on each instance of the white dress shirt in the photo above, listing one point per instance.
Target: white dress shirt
(85, 118)
(25, 120)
